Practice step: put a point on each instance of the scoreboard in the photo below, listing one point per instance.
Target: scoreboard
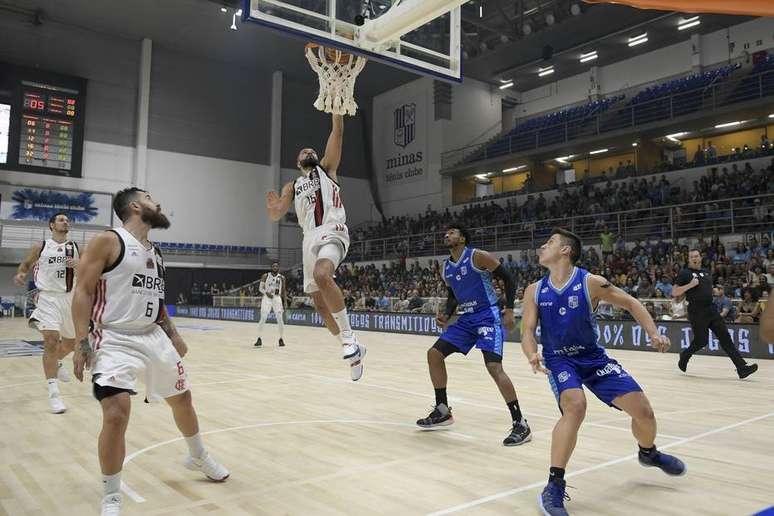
(44, 114)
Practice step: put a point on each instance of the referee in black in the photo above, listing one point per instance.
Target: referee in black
(696, 284)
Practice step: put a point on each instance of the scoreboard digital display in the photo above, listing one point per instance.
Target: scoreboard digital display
(45, 130)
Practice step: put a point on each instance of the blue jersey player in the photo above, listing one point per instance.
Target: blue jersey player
(468, 275)
(563, 303)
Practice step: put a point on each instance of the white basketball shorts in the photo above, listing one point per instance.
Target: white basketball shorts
(121, 358)
(54, 313)
(328, 234)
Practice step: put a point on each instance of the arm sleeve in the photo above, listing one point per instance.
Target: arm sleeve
(451, 302)
(510, 286)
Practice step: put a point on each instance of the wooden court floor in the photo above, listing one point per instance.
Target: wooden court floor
(301, 439)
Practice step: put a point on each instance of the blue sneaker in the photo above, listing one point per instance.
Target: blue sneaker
(551, 500)
(669, 464)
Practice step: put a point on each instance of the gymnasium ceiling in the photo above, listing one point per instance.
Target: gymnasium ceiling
(494, 38)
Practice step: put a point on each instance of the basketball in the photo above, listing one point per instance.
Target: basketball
(330, 53)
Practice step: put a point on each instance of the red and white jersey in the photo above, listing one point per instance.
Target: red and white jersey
(273, 284)
(51, 273)
(317, 200)
(130, 293)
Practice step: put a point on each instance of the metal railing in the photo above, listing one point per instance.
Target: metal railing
(705, 98)
(737, 215)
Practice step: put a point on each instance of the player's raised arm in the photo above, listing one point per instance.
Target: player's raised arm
(102, 251)
(332, 158)
(484, 260)
(278, 205)
(27, 264)
(600, 289)
(529, 320)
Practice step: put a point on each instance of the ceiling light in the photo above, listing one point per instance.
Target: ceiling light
(223, 10)
(239, 12)
(674, 136)
(589, 56)
(514, 169)
(575, 9)
(550, 19)
(687, 23)
(233, 22)
(563, 159)
(481, 11)
(506, 85)
(771, 115)
(728, 124)
(482, 176)
(526, 29)
(634, 144)
(530, 11)
(598, 151)
(548, 70)
(638, 40)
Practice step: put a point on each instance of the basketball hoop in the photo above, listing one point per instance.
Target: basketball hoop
(337, 71)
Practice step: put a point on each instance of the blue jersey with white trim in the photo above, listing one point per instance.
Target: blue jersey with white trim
(568, 324)
(472, 286)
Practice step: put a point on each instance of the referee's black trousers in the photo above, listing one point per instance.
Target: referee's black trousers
(704, 320)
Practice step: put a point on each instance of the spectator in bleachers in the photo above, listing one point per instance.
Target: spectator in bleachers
(416, 302)
(748, 308)
(383, 304)
(196, 294)
(723, 305)
(664, 286)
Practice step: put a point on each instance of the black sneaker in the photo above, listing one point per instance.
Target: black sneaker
(746, 370)
(440, 416)
(520, 434)
(682, 363)
(281, 343)
(258, 343)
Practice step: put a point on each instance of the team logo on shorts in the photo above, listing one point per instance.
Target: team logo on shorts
(572, 301)
(610, 368)
(562, 311)
(563, 376)
(485, 331)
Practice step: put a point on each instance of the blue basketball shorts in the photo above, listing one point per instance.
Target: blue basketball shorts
(603, 376)
(481, 329)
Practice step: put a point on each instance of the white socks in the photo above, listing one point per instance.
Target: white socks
(280, 326)
(53, 387)
(111, 484)
(195, 446)
(343, 322)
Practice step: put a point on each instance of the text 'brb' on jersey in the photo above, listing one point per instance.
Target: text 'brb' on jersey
(568, 325)
(317, 200)
(130, 293)
(472, 286)
(51, 272)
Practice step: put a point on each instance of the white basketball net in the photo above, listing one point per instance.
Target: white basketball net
(337, 80)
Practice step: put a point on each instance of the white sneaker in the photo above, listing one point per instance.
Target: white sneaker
(355, 353)
(56, 405)
(208, 466)
(62, 374)
(111, 505)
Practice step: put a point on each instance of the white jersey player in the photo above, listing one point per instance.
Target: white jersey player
(272, 286)
(121, 290)
(317, 197)
(53, 262)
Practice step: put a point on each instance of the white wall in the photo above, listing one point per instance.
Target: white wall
(475, 110)
(211, 200)
(652, 67)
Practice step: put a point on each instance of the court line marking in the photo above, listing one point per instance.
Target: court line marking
(20, 384)
(131, 456)
(504, 494)
(454, 399)
(131, 493)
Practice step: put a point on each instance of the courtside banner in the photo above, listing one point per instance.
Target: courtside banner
(613, 334)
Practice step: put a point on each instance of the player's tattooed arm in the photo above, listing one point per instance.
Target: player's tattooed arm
(82, 358)
(168, 326)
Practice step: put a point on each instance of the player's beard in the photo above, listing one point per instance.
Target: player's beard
(309, 162)
(155, 218)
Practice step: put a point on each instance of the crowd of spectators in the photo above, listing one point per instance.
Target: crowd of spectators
(588, 197)
(645, 270)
